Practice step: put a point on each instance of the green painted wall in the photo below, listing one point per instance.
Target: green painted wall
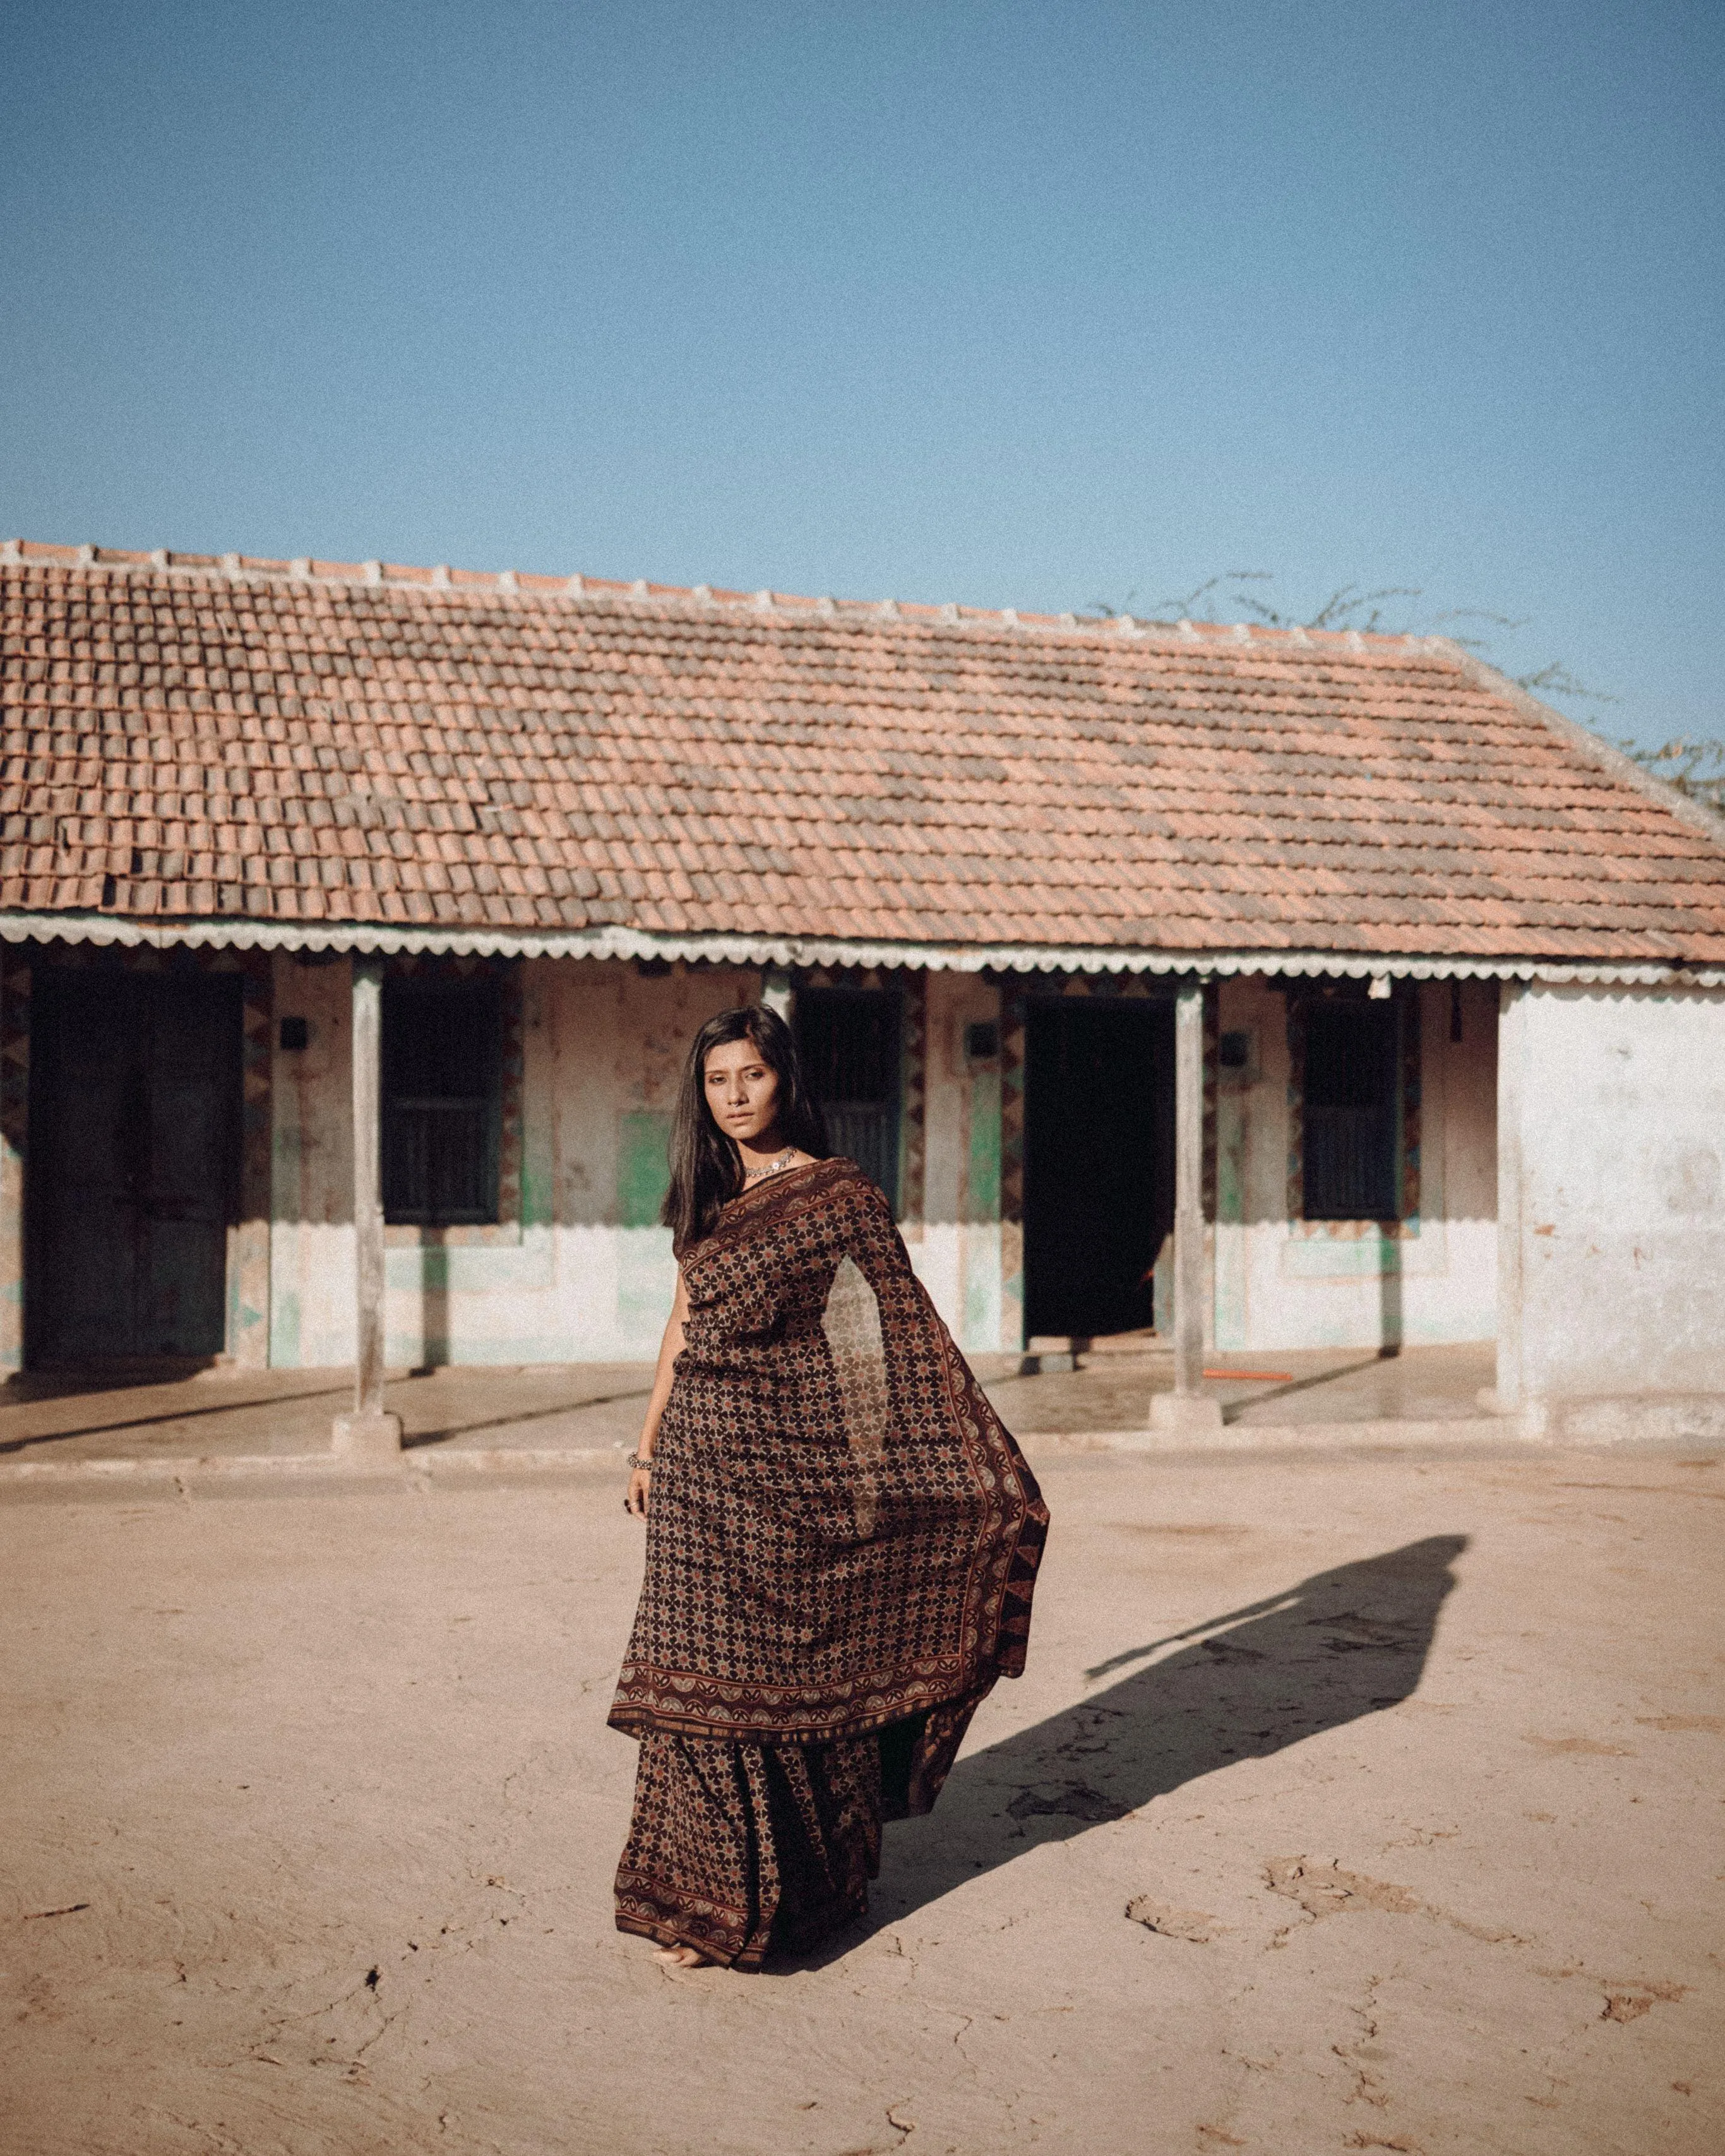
(643, 1166)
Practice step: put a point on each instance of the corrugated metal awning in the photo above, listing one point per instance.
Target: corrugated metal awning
(791, 952)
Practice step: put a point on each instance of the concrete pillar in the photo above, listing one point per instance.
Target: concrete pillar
(778, 993)
(1185, 1411)
(369, 1433)
(1508, 1396)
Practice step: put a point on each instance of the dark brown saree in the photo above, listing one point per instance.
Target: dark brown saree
(842, 1541)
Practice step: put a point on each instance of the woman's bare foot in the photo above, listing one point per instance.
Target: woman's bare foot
(682, 1958)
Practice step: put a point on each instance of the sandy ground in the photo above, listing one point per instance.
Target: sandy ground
(1347, 1804)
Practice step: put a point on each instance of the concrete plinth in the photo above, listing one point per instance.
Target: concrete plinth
(366, 1441)
(1184, 1414)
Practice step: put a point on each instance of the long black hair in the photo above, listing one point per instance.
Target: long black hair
(705, 1166)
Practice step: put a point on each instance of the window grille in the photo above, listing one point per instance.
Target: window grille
(849, 1043)
(1351, 1112)
(442, 1100)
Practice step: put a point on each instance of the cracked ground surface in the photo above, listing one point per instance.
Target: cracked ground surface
(1346, 1804)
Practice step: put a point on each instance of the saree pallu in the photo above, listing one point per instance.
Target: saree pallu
(842, 1543)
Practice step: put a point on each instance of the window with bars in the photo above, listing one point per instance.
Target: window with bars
(1351, 1112)
(849, 1040)
(442, 1100)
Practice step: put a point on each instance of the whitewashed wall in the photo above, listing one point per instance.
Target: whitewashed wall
(311, 1171)
(1612, 1108)
(1280, 1284)
(957, 1246)
(613, 1045)
(584, 1273)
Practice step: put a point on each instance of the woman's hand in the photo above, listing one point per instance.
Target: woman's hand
(640, 1480)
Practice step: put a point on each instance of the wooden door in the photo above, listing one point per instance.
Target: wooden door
(135, 1098)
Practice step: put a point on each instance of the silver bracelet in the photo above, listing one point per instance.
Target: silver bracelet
(636, 1460)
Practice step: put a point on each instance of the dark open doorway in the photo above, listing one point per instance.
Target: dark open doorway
(1099, 1163)
(134, 1121)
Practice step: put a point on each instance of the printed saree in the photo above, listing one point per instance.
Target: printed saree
(842, 1543)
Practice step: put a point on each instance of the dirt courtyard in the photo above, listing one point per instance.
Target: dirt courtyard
(1349, 1803)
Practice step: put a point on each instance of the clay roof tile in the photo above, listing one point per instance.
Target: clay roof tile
(389, 743)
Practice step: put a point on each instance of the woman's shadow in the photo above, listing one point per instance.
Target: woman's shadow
(1338, 1647)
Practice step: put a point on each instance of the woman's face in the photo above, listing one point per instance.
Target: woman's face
(742, 1090)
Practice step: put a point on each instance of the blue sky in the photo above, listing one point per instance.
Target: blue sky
(1028, 305)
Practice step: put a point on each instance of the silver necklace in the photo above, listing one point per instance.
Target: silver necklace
(772, 1167)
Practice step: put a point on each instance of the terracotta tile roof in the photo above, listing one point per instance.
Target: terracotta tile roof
(324, 743)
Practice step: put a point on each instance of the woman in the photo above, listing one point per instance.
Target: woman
(841, 1538)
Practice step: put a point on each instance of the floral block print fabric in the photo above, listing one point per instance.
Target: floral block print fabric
(734, 1845)
(841, 1535)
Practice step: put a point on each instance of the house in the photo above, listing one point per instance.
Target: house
(1275, 989)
